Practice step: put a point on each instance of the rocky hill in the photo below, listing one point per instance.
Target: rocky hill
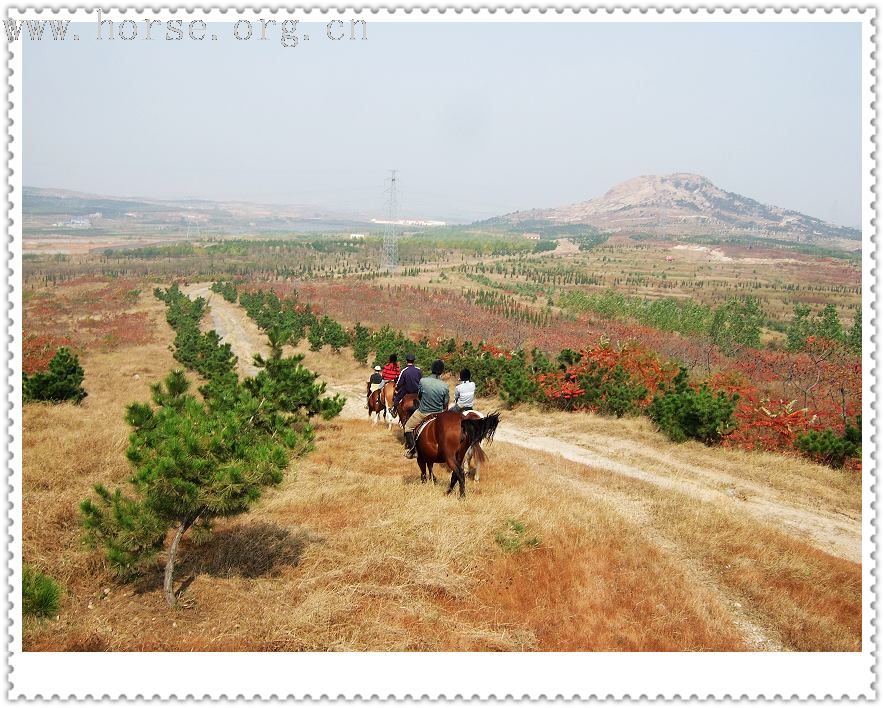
(689, 204)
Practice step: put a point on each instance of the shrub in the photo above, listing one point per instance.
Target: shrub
(39, 593)
(514, 538)
(333, 334)
(314, 336)
(682, 412)
(518, 385)
(61, 382)
(361, 339)
(619, 393)
(226, 290)
(829, 448)
(737, 323)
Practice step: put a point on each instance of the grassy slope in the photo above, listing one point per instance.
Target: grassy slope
(352, 553)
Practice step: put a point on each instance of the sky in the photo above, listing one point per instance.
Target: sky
(479, 119)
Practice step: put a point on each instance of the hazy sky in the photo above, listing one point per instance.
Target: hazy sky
(480, 119)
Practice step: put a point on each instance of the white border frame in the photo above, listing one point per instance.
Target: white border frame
(415, 675)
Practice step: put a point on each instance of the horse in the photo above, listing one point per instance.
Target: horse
(379, 401)
(407, 406)
(447, 437)
(473, 460)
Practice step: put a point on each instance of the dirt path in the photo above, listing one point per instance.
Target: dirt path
(834, 533)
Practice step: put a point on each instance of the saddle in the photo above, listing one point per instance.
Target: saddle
(429, 419)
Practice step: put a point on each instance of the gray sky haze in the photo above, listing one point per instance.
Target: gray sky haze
(480, 119)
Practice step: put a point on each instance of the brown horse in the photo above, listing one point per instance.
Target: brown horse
(407, 406)
(475, 455)
(447, 438)
(381, 400)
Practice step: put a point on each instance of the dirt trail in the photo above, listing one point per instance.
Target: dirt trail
(834, 533)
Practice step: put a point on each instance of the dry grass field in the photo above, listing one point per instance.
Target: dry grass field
(550, 551)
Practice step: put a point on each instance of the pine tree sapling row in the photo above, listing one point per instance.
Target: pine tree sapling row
(195, 460)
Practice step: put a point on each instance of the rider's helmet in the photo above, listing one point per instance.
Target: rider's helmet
(464, 374)
(438, 367)
(392, 359)
(377, 368)
(409, 358)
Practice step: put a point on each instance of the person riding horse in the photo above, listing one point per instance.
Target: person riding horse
(391, 369)
(464, 393)
(390, 374)
(408, 380)
(375, 381)
(433, 394)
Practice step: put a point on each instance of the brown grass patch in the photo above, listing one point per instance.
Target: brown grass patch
(813, 599)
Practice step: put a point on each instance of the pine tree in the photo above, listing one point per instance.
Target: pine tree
(737, 323)
(800, 328)
(828, 326)
(829, 448)
(682, 412)
(60, 382)
(193, 463)
(855, 333)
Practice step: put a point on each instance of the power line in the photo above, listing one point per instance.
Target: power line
(391, 238)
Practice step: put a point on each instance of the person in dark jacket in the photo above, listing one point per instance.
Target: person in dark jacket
(433, 394)
(408, 381)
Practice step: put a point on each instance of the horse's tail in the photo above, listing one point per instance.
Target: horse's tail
(475, 430)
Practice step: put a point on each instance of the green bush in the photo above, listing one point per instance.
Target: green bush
(830, 448)
(514, 538)
(737, 323)
(39, 593)
(226, 290)
(361, 339)
(61, 382)
(682, 412)
(518, 385)
(615, 392)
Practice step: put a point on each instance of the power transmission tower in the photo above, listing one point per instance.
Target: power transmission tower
(391, 242)
(190, 230)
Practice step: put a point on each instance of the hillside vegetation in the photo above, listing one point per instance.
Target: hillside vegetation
(587, 531)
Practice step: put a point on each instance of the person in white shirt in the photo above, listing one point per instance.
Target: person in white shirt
(464, 393)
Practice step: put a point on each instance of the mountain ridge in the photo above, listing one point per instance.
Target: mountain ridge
(684, 203)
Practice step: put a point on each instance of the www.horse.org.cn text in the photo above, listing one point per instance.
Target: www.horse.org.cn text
(286, 32)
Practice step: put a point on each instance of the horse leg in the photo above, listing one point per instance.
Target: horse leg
(432, 476)
(478, 466)
(457, 476)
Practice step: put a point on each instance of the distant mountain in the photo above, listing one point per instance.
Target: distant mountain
(688, 204)
(45, 210)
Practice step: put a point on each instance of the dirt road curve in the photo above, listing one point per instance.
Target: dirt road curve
(834, 533)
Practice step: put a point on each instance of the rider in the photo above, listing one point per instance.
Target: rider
(408, 381)
(464, 393)
(375, 381)
(391, 369)
(433, 395)
(390, 374)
